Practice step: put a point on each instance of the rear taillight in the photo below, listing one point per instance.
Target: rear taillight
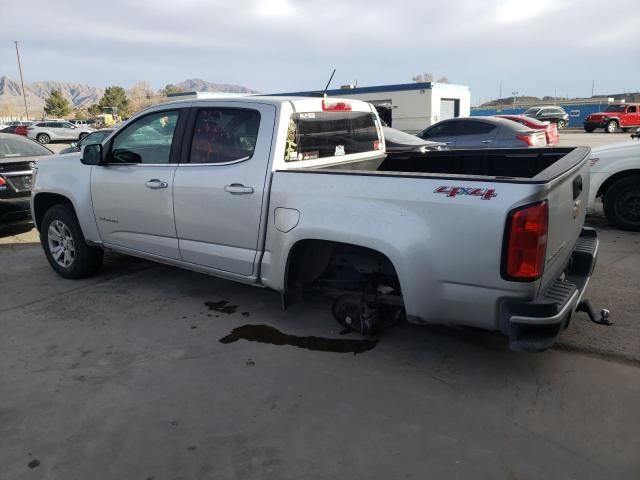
(330, 105)
(528, 139)
(3, 182)
(526, 242)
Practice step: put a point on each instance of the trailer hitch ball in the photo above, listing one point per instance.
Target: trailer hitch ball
(585, 306)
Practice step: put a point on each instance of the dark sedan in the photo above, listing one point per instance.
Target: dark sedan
(18, 157)
(93, 138)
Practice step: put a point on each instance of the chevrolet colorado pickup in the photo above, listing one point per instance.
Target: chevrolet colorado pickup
(298, 194)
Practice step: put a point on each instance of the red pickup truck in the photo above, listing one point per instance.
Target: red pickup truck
(616, 115)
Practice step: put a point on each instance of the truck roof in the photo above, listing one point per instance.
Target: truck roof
(298, 102)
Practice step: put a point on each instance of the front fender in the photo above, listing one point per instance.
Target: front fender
(65, 175)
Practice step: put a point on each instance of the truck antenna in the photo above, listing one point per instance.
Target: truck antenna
(324, 92)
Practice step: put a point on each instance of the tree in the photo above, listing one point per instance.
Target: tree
(443, 80)
(94, 110)
(170, 89)
(114, 101)
(142, 95)
(423, 77)
(56, 105)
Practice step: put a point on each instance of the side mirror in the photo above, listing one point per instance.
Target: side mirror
(92, 154)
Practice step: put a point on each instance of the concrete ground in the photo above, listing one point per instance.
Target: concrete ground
(124, 376)
(575, 138)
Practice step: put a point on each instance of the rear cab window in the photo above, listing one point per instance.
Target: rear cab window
(339, 131)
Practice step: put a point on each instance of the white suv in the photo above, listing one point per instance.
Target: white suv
(49, 130)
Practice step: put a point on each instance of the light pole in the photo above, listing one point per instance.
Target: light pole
(515, 95)
(24, 94)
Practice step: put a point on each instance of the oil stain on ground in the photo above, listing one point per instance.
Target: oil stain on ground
(273, 336)
(222, 306)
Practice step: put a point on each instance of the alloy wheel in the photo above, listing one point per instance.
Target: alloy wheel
(61, 244)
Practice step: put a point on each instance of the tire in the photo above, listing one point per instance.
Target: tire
(43, 138)
(622, 203)
(82, 135)
(561, 124)
(60, 229)
(589, 129)
(611, 126)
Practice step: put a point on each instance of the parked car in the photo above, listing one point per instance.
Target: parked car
(483, 132)
(397, 141)
(23, 128)
(95, 137)
(9, 129)
(554, 114)
(18, 156)
(47, 131)
(615, 177)
(17, 128)
(550, 128)
(615, 116)
(298, 194)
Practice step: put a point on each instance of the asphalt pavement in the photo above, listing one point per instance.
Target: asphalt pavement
(151, 372)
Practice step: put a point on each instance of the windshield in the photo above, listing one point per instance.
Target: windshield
(615, 108)
(11, 147)
(532, 111)
(391, 135)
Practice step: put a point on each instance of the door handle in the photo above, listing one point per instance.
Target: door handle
(486, 141)
(237, 189)
(155, 184)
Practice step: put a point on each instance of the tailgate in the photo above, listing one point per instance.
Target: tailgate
(567, 199)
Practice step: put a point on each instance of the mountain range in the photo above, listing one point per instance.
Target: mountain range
(81, 96)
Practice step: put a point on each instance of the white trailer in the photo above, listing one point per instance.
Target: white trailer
(411, 107)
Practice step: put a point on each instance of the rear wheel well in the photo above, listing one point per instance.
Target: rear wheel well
(602, 191)
(42, 202)
(311, 260)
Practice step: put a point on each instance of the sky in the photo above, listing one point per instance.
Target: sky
(537, 47)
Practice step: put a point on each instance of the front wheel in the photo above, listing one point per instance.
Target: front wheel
(43, 138)
(622, 203)
(611, 126)
(589, 129)
(65, 247)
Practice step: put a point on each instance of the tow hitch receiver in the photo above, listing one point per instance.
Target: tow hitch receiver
(585, 306)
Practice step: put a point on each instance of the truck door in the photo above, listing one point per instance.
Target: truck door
(132, 193)
(632, 118)
(219, 185)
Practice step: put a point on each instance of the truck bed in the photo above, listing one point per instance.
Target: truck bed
(538, 165)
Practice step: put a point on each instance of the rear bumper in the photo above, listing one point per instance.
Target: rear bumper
(534, 326)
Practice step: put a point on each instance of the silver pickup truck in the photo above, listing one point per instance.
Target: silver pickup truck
(298, 195)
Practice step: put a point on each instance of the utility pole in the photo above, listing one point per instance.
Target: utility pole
(515, 96)
(24, 94)
(593, 86)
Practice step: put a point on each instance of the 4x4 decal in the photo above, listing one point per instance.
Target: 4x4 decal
(483, 193)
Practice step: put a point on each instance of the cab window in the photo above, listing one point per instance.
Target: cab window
(224, 135)
(146, 140)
